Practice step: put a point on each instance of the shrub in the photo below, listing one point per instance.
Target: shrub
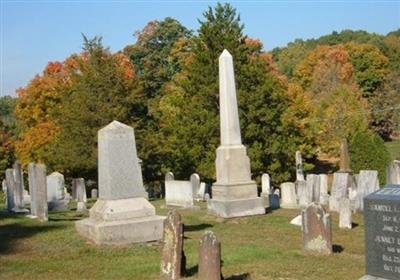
(368, 152)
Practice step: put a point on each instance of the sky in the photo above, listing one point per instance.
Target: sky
(35, 32)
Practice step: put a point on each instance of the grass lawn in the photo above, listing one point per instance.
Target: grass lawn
(259, 247)
(394, 148)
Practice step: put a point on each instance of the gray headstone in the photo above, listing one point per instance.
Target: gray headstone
(368, 182)
(209, 257)
(195, 181)
(38, 185)
(94, 193)
(169, 176)
(173, 258)
(393, 173)
(80, 194)
(19, 186)
(342, 184)
(303, 194)
(4, 186)
(344, 157)
(266, 184)
(179, 193)
(10, 181)
(317, 232)
(313, 187)
(274, 201)
(382, 232)
(323, 184)
(116, 141)
(345, 220)
(55, 187)
(202, 191)
(288, 197)
(299, 167)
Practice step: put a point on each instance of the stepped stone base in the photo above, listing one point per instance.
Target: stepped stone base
(369, 277)
(121, 221)
(237, 207)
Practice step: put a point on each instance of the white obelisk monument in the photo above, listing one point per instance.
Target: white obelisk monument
(234, 194)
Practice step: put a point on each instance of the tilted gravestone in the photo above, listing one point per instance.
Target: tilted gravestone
(234, 194)
(210, 257)
(382, 233)
(368, 182)
(38, 187)
(173, 260)
(288, 195)
(317, 232)
(122, 214)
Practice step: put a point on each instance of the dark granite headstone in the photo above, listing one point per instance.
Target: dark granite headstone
(274, 201)
(382, 232)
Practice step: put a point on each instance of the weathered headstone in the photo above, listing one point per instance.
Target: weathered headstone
(313, 187)
(342, 183)
(173, 260)
(382, 235)
(38, 186)
(81, 198)
(303, 194)
(209, 257)
(345, 220)
(265, 189)
(179, 194)
(202, 191)
(169, 176)
(393, 173)
(317, 232)
(288, 195)
(10, 181)
(323, 189)
(234, 194)
(195, 181)
(4, 186)
(344, 157)
(94, 193)
(299, 167)
(122, 214)
(274, 201)
(18, 189)
(55, 192)
(368, 182)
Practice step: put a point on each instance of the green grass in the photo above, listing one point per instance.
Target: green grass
(393, 148)
(259, 247)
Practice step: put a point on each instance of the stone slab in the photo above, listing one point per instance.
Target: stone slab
(382, 232)
(236, 208)
(179, 193)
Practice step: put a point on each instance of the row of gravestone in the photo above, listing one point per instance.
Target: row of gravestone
(46, 193)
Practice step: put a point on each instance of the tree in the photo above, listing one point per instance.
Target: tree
(190, 107)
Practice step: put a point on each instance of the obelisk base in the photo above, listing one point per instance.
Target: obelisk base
(121, 221)
(237, 207)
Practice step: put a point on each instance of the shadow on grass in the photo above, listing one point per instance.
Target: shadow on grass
(192, 271)
(243, 276)
(11, 233)
(354, 225)
(337, 248)
(196, 227)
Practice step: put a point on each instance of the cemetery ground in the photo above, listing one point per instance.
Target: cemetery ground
(257, 247)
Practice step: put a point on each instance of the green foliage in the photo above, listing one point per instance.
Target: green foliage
(368, 152)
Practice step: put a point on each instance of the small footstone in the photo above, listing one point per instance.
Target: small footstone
(317, 232)
(296, 221)
(173, 260)
(209, 257)
(93, 193)
(345, 213)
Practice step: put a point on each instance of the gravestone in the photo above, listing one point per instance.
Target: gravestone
(55, 192)
(93, 193)
(81, 198)
(38, 186)
(173, 260)
(4, 186)
(10, 182)
(345, 220)
(323, 189)
(265, 189)
(122, 214)
(202, 191)
(313, 187)
(18, 189)
(344, 157)
(317, 232)
(195, 181)
(274, 201)
(26, 198)
(393, 173)
(342, 183)
(209, 257)
(234, 194)
(303, 194)
(296, 220)
(288, 197)
(169, 176)
(382, 233)
(368, 182)
(299, 167)
(179, 194)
